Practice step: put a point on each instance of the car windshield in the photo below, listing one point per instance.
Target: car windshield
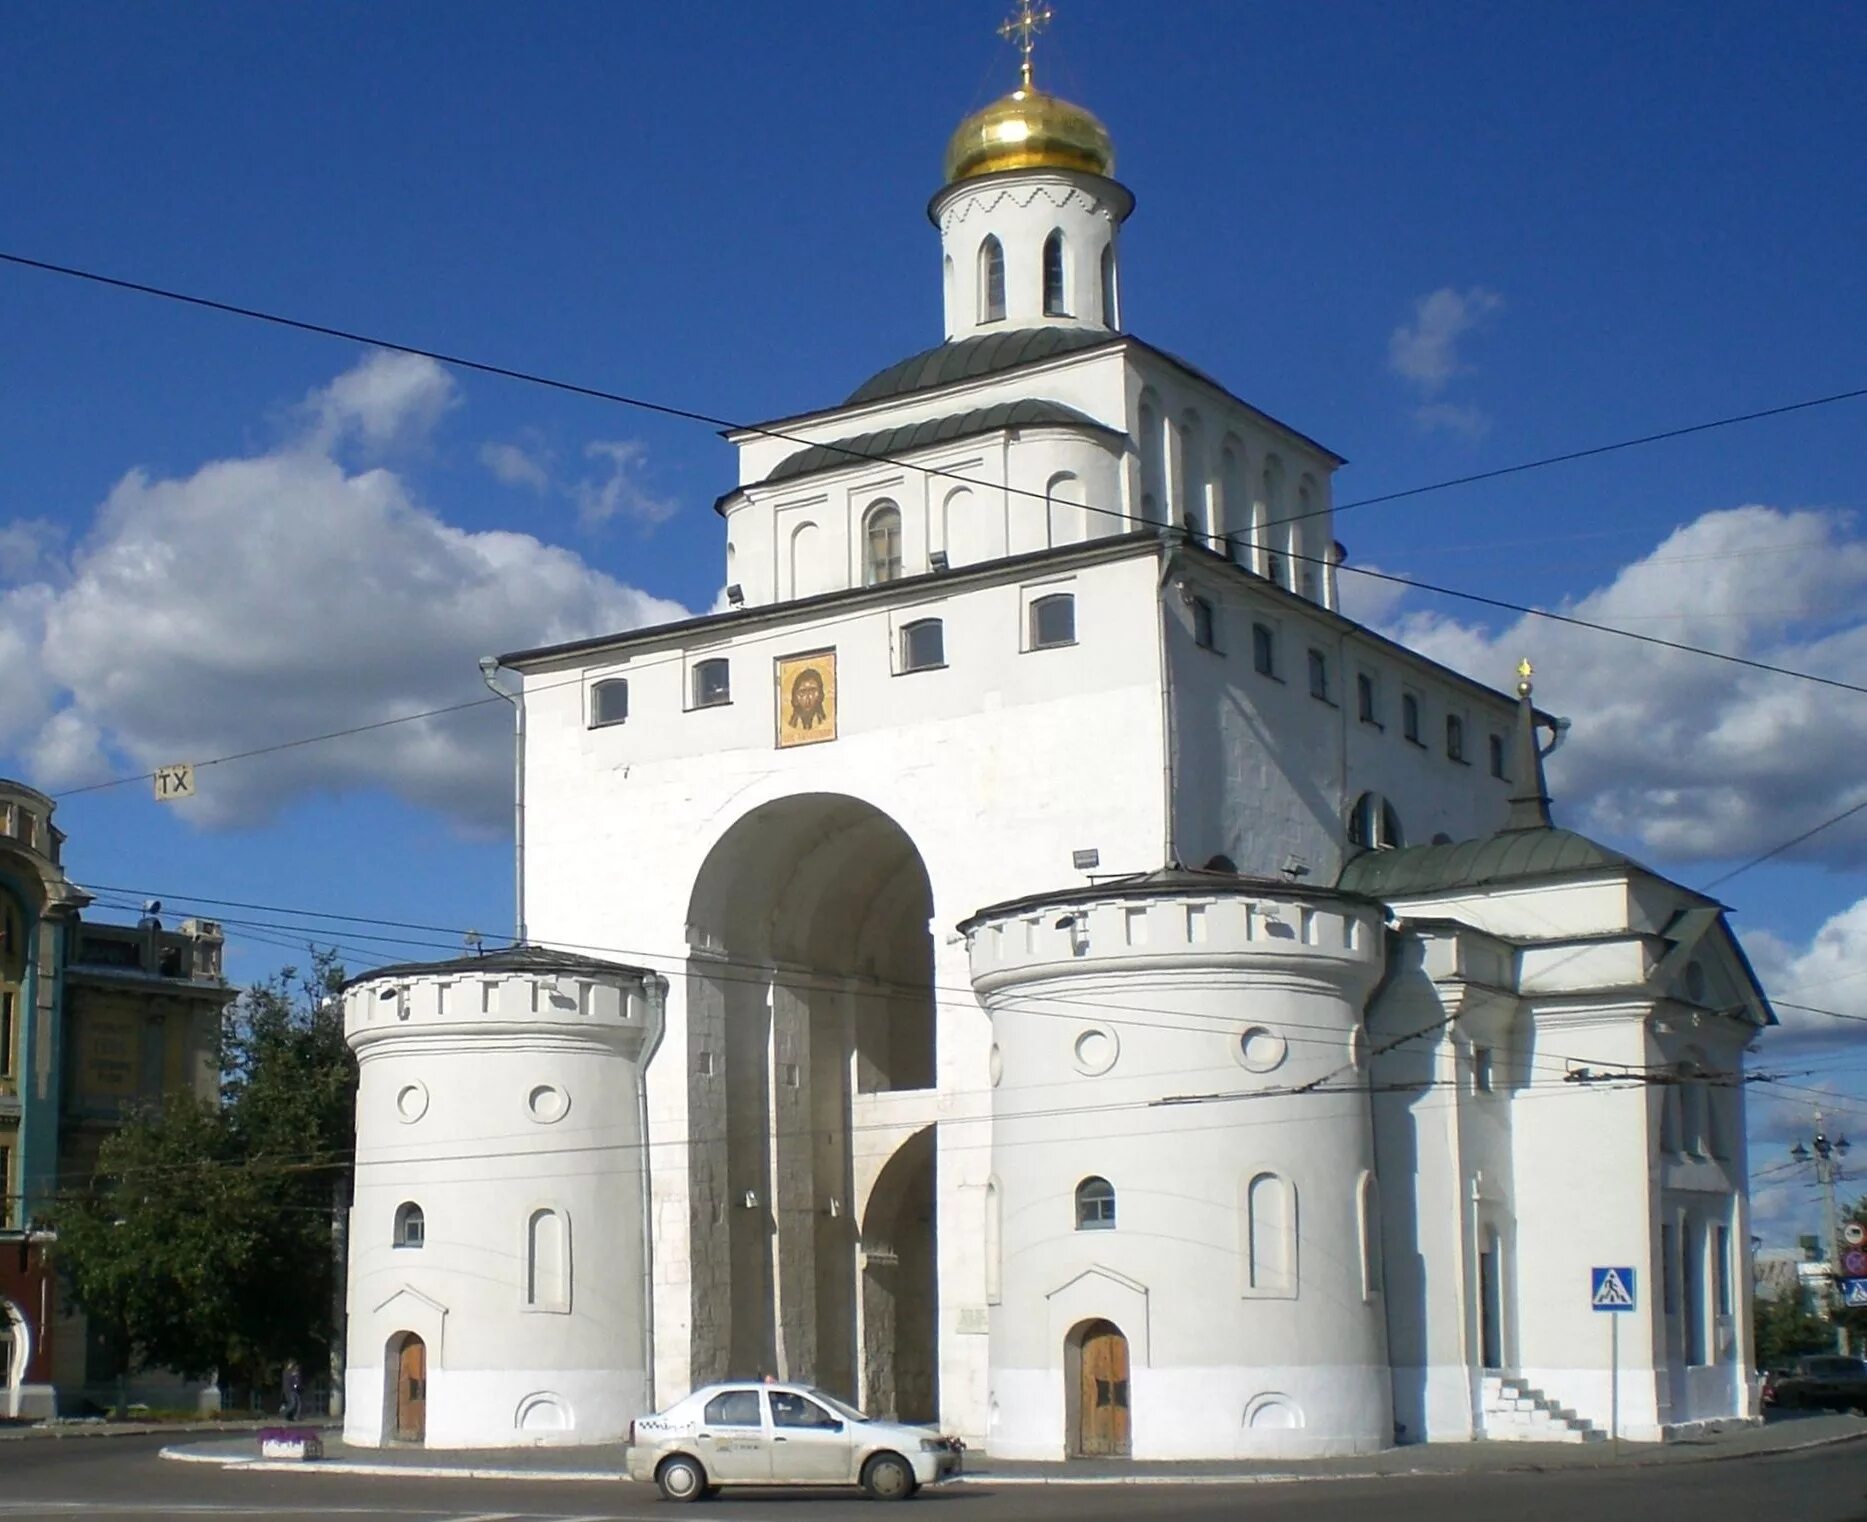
(841, 1407)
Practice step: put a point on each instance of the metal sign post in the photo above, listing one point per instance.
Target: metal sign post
(1612, 1290)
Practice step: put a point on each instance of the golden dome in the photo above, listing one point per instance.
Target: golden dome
(1029, 129)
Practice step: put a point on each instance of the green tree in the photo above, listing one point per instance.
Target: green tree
(203, 1242)
(1784, 1326)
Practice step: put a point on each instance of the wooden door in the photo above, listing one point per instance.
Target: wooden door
(1103, 1412)
(411, 1391)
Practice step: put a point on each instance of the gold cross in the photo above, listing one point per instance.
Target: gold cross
(1024, 24)
(1524, 672)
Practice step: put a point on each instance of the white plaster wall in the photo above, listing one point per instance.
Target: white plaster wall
(997, 767)
(1265, 771)
(1164, 989)
(448, 1117)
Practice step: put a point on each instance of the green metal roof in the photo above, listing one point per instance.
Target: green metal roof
(893, 441)
(970, 358)
(1508, 856)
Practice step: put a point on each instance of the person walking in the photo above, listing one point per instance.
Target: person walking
(293, 1390)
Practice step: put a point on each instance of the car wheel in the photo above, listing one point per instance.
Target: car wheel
(888, 1477)
(681, 1479)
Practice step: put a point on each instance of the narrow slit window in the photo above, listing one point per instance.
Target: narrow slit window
(1455, 737)
(609, 702)
(923, 645)
(1367, 708)
(1055, 304)
(991, 281)
(1410, 717)
(1497, 758)
(1319, 675)
(1110, 318)
(713, 683)
(1053, 621)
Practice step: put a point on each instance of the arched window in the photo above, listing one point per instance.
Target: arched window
(923, 645)
(1455, 737)
(1055, 302)
(946, 266)
(1151, 445)
(411, 1227)
(1053, 621)
(1497, 758)
(1095, 1205)
(547, 1261)
(1110, 317)
(1374, 824)
(881, 534)
(609, 702)
(991, 281)
(1271, 1236)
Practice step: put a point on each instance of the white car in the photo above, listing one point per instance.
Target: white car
(777, 1434)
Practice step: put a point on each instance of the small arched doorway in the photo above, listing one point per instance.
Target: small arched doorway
(1096, 1391)
(900, 1287)
(406, 1402)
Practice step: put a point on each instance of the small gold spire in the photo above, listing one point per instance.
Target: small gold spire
(1524, 672)
(1024, 24)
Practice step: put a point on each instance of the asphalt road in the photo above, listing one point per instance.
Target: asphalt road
(122, 1478)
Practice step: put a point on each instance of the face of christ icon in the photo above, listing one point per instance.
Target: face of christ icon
(807, 700)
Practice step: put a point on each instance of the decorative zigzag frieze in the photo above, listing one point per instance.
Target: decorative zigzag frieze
(986, 202)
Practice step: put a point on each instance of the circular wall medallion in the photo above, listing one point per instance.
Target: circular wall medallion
(411, 1102)
(1260, 1049)
(1276, 1412)
(995, 1064)
(1095, 1051)
(547, 1103)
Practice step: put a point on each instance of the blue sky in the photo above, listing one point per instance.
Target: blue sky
(1439, 238)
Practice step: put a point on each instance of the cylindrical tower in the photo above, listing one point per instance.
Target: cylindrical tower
(498, 1276)
(1029, 217)
(1182, 1228)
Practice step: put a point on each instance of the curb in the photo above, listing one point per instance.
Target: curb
(65, 1431)
(985, 1479)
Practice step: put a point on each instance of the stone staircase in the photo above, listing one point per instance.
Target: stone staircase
(1515, 1412)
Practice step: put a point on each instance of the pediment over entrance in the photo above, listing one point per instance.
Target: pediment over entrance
(409, 1310)
(1098, 1293)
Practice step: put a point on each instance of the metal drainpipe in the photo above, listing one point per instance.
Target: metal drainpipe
(655, 992)
(488, 665)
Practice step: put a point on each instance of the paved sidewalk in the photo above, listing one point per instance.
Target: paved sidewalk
(102, 1426)
(605, 1462)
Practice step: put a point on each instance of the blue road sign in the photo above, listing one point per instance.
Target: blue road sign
(1612, 1289)
(1854, 1292)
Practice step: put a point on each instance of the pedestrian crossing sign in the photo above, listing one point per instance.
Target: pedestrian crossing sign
(1854, 1292)
(1611, 1289)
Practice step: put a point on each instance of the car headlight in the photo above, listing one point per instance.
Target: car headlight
(933, 1445)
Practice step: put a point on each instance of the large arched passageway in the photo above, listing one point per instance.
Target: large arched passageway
(809, 981)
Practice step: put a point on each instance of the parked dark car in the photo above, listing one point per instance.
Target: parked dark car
(1819, 1381)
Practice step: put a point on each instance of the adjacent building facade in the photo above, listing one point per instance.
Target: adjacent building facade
(96, 1021)
(1109, 1002)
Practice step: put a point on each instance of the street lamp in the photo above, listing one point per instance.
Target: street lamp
(1827, 1156)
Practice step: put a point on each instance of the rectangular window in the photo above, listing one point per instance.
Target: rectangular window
(1497, 758)
(8, 1003)
(1694, 1293)
(1053, 621)
(1319, 675)
(1367, 703)
(609, 702)
(713, 685)
(1669, 1271)
(1410, 717)
(923, 645)
(1264, 649)
(1205, 624)
(1455, 737)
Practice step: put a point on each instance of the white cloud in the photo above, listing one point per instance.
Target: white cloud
(387, 399)
(1694, 758)
(514, 466)
(283, 595)
(29, 549)
(1425, 351)
(618, 491)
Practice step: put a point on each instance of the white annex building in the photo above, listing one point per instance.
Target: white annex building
(1034, 964)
